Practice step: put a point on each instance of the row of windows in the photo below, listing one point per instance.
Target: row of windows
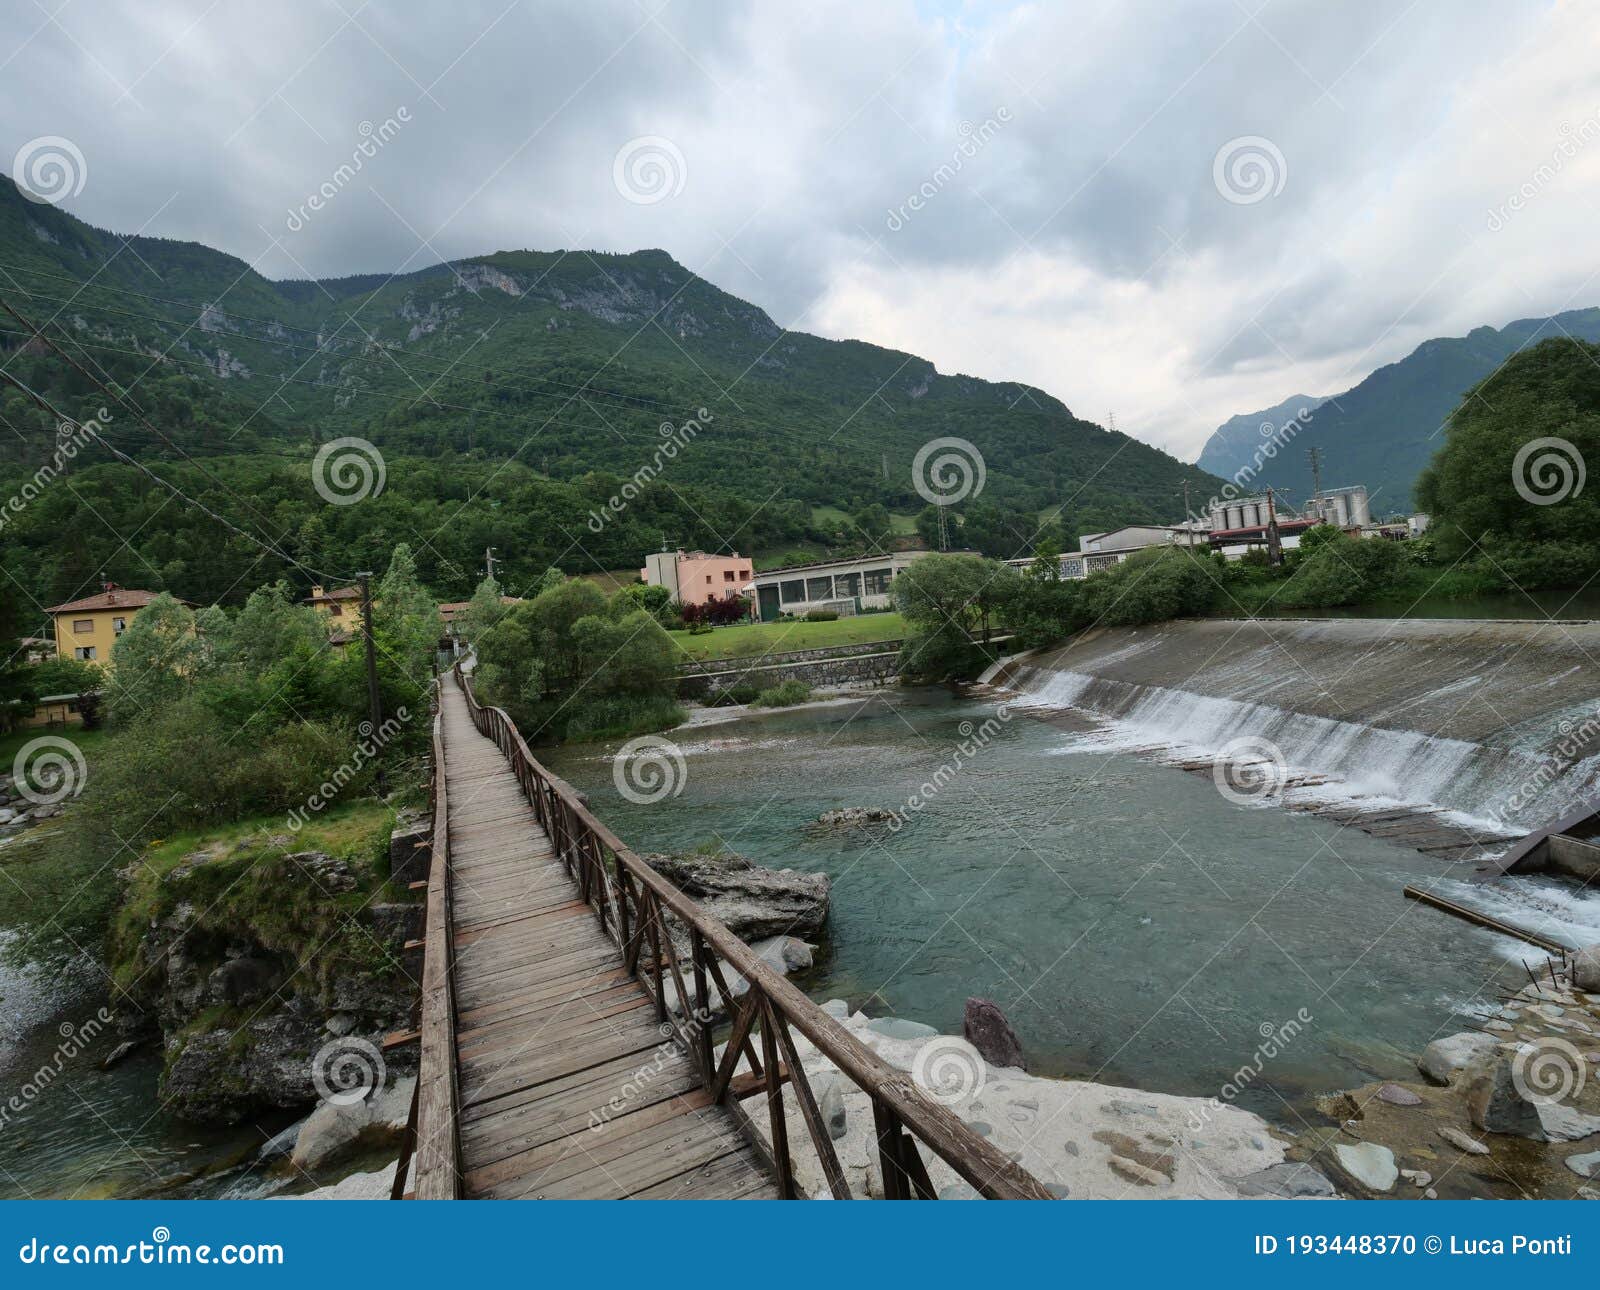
(838, 586)
(83, 626)
(730, 575)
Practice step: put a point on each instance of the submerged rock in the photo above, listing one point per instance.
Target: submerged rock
(985, 1027)
(856, 815)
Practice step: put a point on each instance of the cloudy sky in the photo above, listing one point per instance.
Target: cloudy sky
(1174, 212)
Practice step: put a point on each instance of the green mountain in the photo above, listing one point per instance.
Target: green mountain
(1237, 440)
(510, 395)
(1385, 430)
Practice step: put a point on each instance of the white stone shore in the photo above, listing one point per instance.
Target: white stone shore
(1083, 1140)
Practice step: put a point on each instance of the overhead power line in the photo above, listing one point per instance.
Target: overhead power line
(60, 417)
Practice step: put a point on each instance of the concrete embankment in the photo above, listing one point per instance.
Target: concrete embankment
(1494, 720)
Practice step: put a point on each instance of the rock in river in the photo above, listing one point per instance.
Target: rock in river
(1369, 1164)
(985, 1027)
(754, 902)
(1444, 1059)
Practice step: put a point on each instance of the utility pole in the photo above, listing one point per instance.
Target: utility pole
(1274, 538)
(1188, 515)
(374, 702)
(488, 562)
(944, 527)
(1315, 454)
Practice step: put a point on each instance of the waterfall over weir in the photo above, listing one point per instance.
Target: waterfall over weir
(1494, 723)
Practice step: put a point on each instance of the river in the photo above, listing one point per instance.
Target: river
(1134, 924)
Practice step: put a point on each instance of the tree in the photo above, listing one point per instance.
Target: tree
(946, 600)
(874, 526)
(483, 611)
(1514, 454)
(1150, 586)
(270, 626)
(154, 660)
(570, 664)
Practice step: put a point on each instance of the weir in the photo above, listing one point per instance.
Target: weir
(1494, 722)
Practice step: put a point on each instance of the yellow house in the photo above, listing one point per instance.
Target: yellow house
(341, 607)
(87, 629)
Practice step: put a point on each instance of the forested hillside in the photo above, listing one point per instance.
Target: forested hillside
(1384, 431)
(510, 397)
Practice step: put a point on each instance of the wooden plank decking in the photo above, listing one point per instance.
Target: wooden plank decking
(568, 1086)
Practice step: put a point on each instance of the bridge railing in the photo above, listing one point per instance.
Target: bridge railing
(631, 902)
(435, 1155)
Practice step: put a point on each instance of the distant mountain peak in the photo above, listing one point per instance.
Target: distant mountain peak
(1384, 430)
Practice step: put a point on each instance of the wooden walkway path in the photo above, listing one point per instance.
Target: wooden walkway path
(568, 1086)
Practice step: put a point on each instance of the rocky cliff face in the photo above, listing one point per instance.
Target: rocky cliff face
(247, 962)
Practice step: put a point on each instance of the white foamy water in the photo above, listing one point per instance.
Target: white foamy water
(1475, 782)
(1550, 906)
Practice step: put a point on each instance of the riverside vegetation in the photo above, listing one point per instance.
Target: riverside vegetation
(226, 860)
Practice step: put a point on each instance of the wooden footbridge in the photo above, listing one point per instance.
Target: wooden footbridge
(557, 1060)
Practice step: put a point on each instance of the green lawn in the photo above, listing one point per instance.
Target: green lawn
(748, 640)
(11, 744)
(898, 524)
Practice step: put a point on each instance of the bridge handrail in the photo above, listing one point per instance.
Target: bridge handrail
(581, 840)
(436, 1158)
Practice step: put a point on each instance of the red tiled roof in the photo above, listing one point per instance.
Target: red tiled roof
(121, 598)
(338, 593)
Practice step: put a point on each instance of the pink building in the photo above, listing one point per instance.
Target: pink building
(695, 578)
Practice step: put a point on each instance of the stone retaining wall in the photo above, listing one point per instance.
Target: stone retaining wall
(877, 662)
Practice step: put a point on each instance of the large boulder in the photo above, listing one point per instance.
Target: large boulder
(1586, 969)
(754, 902)
(1498, 1105)
(1445, 1059)
(335, 1129)
(985, 1027)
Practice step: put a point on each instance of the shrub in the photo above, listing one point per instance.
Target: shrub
(783, 695)
(822, 615)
